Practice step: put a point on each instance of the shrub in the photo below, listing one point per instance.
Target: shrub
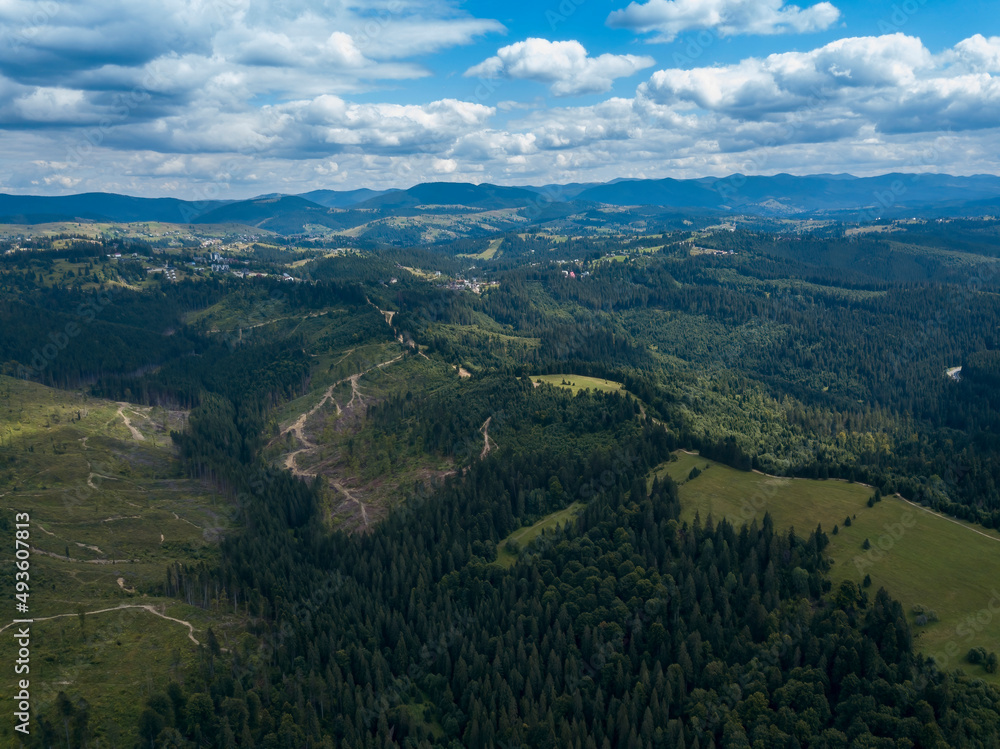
(991, 663)
(977, 656)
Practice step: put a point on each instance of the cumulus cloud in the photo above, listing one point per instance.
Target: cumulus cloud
(565, 66)
(287, 98)
(668, 18)
(978, 53)
(302, 44)
(887, 85)
(754, 88)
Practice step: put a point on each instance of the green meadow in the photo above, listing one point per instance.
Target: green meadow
(109, 510)
(926, 561)
(579, 382)
(524, 536)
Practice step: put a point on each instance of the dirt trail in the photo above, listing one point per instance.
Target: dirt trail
(340, 488)
(387, 314)
(945, 517)
(81, 561)
(146, 607)
(299, 424)
(90, 479)
(488, 444)
(136, 434)
(355, 391)
(291, 465)
(185, 520)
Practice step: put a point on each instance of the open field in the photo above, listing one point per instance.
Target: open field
(110, 509)
(578, 382)
(524, 536)
(489, 252)
(922, 559)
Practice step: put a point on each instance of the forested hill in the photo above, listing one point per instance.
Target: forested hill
(626, 628)
(842, 195)
(435, 393)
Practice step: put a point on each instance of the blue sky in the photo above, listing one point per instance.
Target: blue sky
(233, 98)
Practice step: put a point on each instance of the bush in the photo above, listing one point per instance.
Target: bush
(977, 656)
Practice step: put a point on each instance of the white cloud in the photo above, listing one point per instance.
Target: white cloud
(668, 18)
(295, 100)
(565, 66)
(849, 72)
(979, 53)
(289, 49)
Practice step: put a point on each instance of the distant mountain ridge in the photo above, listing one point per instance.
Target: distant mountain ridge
(834, 195)
(101, 206)
(786, 193)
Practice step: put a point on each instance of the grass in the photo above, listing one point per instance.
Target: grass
(921, 559)
(109, 512)
(489, 252)
(579, 382)
(524, 536)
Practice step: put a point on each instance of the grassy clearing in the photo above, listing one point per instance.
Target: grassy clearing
(922, 559)
(578, 382)
(524, 536)
(488, 253)
(110, 510)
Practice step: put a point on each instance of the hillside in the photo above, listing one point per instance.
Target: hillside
(450, 206)
(334, 455)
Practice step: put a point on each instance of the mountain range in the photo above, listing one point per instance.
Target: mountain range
(840, 196)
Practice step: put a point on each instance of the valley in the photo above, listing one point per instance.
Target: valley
(233, 473)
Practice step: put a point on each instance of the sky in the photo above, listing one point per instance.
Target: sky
(228, 99)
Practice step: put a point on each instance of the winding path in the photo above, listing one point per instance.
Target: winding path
(299, 424)
(136, 434)
(147, 607)
(52, 554)
(488, 444)
(388, 315)
(343, 490)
